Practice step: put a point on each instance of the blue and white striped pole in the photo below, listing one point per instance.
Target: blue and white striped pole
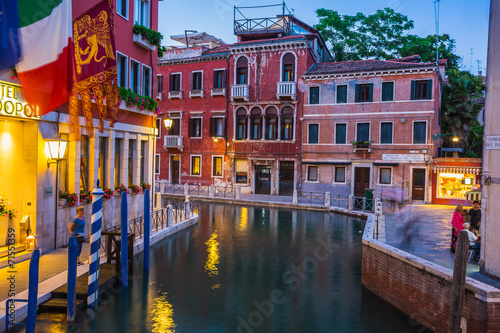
(147, 229)
(33, 291)
(95, 246)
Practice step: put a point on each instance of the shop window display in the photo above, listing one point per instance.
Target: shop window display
(455, 185)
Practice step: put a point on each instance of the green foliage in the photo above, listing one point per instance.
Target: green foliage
(142, 102)
(356, 37)
(154, 37)
(475, 142)
(460, 109)
(161, 49)
(426, 48)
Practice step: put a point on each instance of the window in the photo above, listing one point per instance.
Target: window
(121, 64)
(287, 123)
(313, 95)
(217, 166)
(134, 83)
(159, 84)
(421, 89)
(176, 127)
(339, 174)
(175, 82)
(122, 8)
(364, 93)
(271, 123)
(312, 133)
(196, 80)
(255, 124)
(195, 165)
(242, 70)
(84, 163)
(386, 133)
(342, 94)
(217, 127)
(103, 161)
(141, 12)
(312, 173)
(157, 164)
(158, 128)
(420, 132)
(362, 132)
(131, 161)
(117, 174)
(195, 127)
(143, 161)
(241, 124)
(385, 176)
(340, 134)
(219, 78)
(63, 168)
(241, 170)
(387, 91)
(146, 81)
(288, 67)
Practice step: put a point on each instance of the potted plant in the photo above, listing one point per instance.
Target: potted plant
(145, 186)
(62, 198)
(119, 189)
(108, 193)
(135, 189)
(85, 197)
(72, 199)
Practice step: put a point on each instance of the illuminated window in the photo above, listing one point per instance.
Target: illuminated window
(455, 185)
(84, 163)
(217, 166)
(195, 165)
(63, 168)
(287, 123)
(288, 67)
(241, 170)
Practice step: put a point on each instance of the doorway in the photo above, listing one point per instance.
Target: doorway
(262, 179)
(361, 181)
(418, 186)
(175, 169)
(286, 178)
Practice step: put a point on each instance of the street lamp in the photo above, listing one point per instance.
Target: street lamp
(55, 149)
(454, 139)
(168, 123)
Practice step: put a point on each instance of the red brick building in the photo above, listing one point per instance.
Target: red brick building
(369, 124)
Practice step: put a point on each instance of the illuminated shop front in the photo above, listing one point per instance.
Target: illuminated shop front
(452, 182)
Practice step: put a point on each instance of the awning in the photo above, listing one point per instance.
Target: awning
(385, 164)
(456, 169)
(326, 163)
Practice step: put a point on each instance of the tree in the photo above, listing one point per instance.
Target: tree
(356, 37)
(460, 109)
(426, 48)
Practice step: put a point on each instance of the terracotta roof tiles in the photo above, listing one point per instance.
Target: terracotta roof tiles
(362, 66)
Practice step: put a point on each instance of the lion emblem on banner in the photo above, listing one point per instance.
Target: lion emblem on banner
(90, 37)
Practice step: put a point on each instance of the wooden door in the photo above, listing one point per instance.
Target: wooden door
(418, 186)
(262, 179)
(174, 168)
(286, 177)
(361, 181)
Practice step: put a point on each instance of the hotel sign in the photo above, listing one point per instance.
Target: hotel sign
(12, 103)
(404, 157)
(492, 142)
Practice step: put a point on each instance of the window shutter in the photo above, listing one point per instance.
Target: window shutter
(429, 89)
(356, 93)
(224, 126)
(224, 78)
(159, 83)
(171, 84)
(212, 127)
(215, 80)
(370, 93)
(192, 81)
(412, 90)
(190, 127)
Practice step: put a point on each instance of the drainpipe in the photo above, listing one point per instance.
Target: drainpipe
(226, 137)
(257, 78)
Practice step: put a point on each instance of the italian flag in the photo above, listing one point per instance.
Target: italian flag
(45, 70)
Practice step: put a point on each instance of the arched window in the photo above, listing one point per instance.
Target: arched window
(288, 64)
(271, 123)
(241, 124)
(286, 123)
(255, 124)
(242, 70)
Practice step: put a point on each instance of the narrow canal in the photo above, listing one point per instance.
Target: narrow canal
(250, 269)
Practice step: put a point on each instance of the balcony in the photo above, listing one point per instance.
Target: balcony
(287, 90)
(141, 41)
(218, 92)
(362, 146)
(196, 93)
(239, 92)
(175, 94)
(173, 141)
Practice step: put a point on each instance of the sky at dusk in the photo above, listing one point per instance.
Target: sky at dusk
(464, 20)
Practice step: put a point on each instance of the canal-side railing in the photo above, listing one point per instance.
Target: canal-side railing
(207, 191)
(311, 198)
(339, 200)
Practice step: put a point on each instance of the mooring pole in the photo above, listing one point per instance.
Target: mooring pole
(95, 246)
(147, 229)
(124, 241)
(458, 286)
(33, 292)
(72, 249)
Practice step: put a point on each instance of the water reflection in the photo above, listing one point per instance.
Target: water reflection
(213, 255)
(163, 315)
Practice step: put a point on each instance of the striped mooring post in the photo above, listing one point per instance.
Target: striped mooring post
(95, 246)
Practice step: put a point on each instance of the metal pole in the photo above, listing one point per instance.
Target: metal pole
(72, 249)
(56, 190)
(33, 292)
(147, 229)
(124, 241)
(95, 246)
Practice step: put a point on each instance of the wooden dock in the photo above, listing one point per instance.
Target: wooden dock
(58, 302)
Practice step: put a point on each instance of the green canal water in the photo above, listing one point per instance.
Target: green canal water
(251, 269)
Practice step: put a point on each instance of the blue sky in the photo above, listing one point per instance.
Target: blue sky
(465, 20)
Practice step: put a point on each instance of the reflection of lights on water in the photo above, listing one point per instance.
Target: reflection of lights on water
(163, 313)
(213, 255)
(216, 286)
(243, 218)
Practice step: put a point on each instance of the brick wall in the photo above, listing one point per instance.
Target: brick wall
(422, 289)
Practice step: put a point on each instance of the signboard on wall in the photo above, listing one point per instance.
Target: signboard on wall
(492, 142)
(404, 157)
(12, 103)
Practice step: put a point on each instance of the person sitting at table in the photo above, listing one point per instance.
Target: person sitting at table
(472, 236)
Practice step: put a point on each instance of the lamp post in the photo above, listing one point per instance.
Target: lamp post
(454, 139)
(56, 149)
(168, 123)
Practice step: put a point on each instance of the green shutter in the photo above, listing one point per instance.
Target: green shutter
(370, 93)
(429, 89)
(412, 90)
(356, 93)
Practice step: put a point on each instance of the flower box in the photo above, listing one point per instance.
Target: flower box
(138, 39)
